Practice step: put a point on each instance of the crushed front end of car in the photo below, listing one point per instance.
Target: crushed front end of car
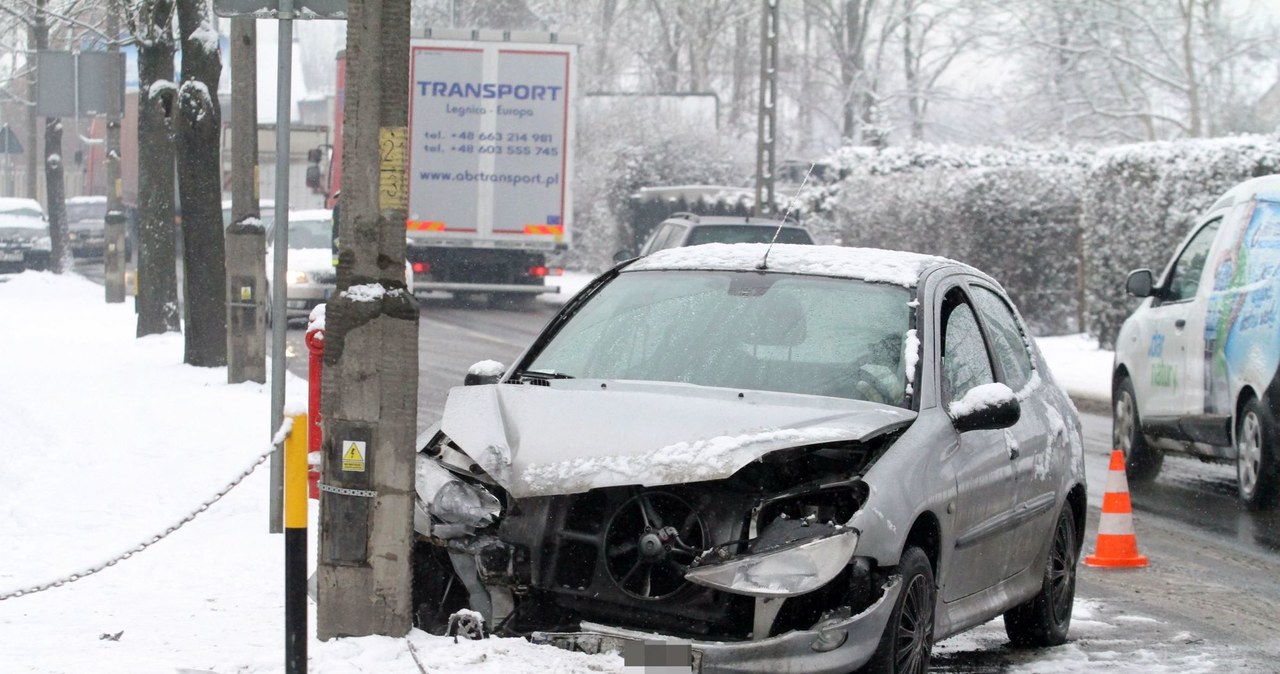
(723, 529)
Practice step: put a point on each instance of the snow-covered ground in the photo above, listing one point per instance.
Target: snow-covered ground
(109, 439)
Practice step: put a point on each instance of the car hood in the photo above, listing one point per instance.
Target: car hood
(578, 435)
(310, 260)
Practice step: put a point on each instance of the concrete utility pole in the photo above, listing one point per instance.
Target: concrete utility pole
(370, 382)
(246, 238)
(113, 251)
(767, 122)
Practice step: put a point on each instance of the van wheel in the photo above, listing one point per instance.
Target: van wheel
(1046, 617)
(1141, 461)
(1257, 472)
(907, 642)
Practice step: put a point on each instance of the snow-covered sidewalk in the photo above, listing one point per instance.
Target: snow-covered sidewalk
(109, 439)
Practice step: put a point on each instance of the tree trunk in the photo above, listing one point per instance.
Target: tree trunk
(55, 191)
(157, 280)
(370, 387)
(39, 34)
(200, 187)
(911, 71)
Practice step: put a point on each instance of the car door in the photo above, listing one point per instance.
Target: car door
(985, 485)
(1035, 440)
(1169, 382)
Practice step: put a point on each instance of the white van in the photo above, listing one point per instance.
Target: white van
(1196, 367)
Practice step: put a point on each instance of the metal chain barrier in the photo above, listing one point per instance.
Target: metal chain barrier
(71, 578)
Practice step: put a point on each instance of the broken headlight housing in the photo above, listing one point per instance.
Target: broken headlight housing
(461, 505)
(784, 571)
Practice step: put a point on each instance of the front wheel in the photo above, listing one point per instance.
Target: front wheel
(1045, 618)
(907, 642)
(1257, 471)
(1141, 461)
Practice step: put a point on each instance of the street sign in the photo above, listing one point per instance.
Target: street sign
(9, 142)
(57, 74)
(269, 9)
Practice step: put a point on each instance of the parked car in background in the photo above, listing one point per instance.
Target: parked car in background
(1197, 366)
(86, 225)
(807, 458)
(24, 235)
(687, 229)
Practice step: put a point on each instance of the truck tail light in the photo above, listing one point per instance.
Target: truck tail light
(538, 271)
(422, 267)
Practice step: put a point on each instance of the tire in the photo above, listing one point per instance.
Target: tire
(1141, 461)
(1257, 471)
(907, 642)
(1045, 618)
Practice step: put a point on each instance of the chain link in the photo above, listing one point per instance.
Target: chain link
(71, 578)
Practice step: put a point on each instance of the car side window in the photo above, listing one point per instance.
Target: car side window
(655, 241)
(1184, 278)
(965, 362)
(1007, 337)
(674, 235)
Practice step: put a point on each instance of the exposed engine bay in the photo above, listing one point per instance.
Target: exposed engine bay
(760, 553)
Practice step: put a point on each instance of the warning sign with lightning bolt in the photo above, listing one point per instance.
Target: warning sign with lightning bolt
(353, 456)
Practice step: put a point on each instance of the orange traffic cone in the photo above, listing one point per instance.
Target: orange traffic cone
(1117, 544)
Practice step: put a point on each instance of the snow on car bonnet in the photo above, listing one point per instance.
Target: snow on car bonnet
(870, 264)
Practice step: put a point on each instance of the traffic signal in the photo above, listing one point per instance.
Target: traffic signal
(314, 179)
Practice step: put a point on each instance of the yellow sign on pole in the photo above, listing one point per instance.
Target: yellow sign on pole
(353, 456)
(393, 179)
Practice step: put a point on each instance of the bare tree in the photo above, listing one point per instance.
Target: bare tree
(199, 125)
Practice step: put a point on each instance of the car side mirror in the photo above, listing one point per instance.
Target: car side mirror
(986, 407)
(623, 255)
(484, 372)
(1140, 283)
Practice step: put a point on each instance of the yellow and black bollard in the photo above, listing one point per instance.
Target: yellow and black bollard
(295, 547)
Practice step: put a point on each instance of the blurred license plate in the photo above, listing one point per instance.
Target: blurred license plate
(649, 657)
(10, 257)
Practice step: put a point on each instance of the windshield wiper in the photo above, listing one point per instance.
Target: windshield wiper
(543, 374)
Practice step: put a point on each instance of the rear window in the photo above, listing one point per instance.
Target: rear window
(746, 234)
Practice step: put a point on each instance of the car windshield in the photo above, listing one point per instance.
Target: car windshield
(747, 330)
(78, 211)
(306, 233)
(745, 234)
(21, 220)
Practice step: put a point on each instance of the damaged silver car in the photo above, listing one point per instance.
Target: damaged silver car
(786, 459)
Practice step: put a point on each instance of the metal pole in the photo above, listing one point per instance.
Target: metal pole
(284, 68)
(295, 548)
(767, 120)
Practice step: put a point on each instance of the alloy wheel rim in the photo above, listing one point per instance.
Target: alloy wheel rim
(1249, 453)
(1062, 573)
(915, 629)
(1124, 423)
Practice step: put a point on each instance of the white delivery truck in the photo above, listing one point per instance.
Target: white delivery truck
(490, 156)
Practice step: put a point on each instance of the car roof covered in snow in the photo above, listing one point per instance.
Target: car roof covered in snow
(868, 264)
(19, 204)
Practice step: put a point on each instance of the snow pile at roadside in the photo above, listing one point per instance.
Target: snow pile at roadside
(1079, 366)
(110, 440)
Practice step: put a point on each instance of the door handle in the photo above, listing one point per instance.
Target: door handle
(1180, 323)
